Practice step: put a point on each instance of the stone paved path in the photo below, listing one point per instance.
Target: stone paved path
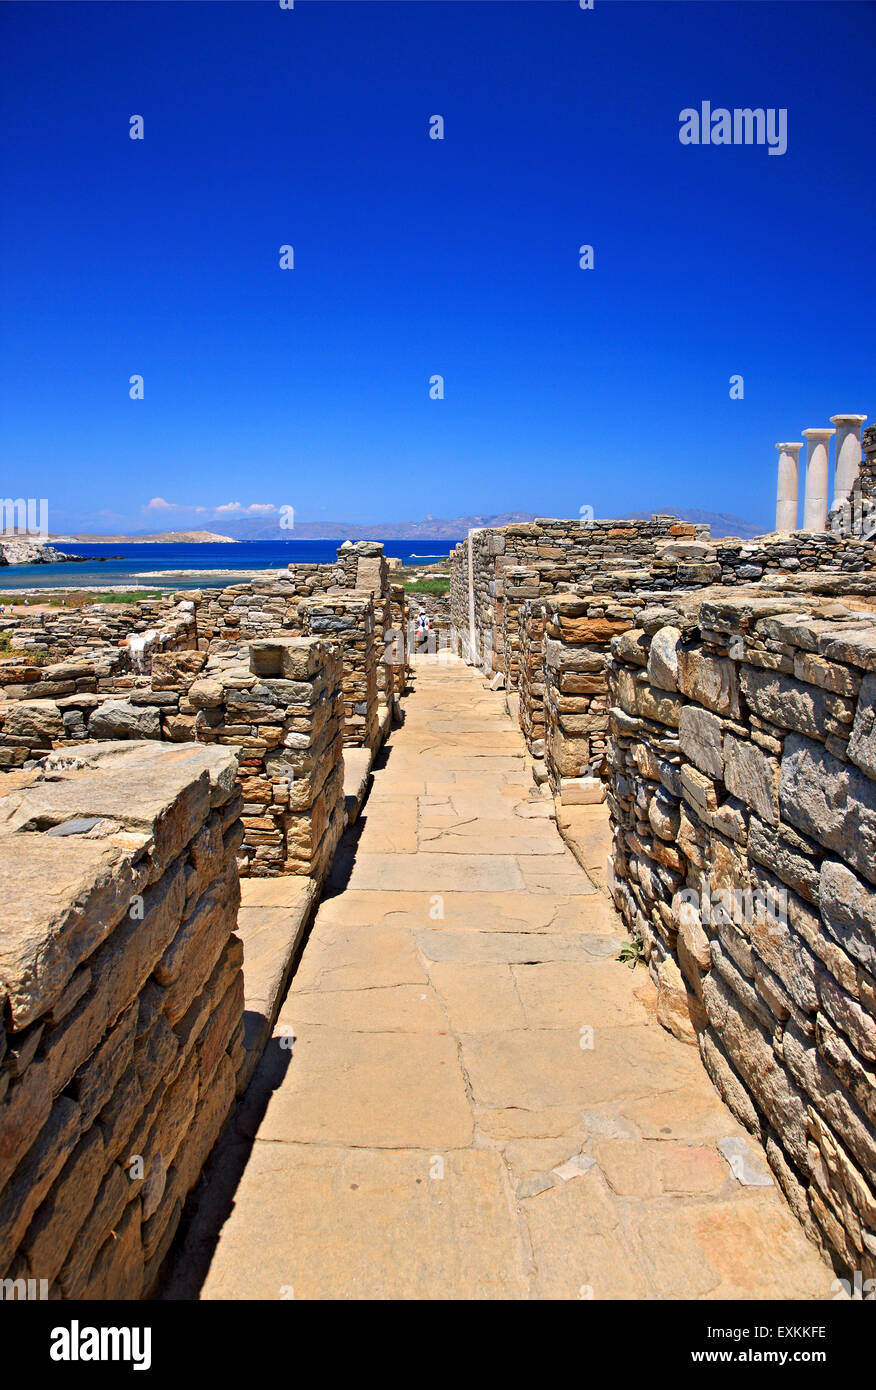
(477, 1101)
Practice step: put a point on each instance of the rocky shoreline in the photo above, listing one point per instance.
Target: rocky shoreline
(27, 552)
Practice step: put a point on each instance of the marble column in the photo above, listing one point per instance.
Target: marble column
(847, 453)
(817, 463)
(788, 486)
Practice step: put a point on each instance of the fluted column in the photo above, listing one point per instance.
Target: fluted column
(817, 458)
(847, 454)
(788, 488)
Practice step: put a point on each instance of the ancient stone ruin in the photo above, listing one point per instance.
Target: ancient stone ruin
(721, 696)
(180, 778)
(175, 747)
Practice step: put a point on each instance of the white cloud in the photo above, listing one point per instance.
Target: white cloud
(159, 504)
(262, 507)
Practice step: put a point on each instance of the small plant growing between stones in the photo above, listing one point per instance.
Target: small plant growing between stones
(633, 952)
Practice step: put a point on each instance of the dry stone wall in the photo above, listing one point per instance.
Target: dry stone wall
(136, 685)
(561, 553)
(577, 631)
(397, 645)
(531, 675)
(95, 628)
(513, 564)
(87, 701)
(122, 1008)
(567, 696)
(261, 607)
(280, 706)
(348, 618)
(132, 689)
(743, 805)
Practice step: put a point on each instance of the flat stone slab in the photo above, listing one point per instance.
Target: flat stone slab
(731, 1249)
(287, 890)
(384, 1009)
(271, 934)
(478, 997)
(362, 957)
(746, 1164)
(352, 1223)
(511, 836)
(483, 911)
(371, 1090)
(538, 1067)
(542, 875)
(515, 947)
(438, 873)
(390, 827)
(357, 772)
(561, 994)
(601, 1262)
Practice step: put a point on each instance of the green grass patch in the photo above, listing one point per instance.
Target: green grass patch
(427, 586)
(83, 600)
(38, 656)
(129, 596)
(78, 598)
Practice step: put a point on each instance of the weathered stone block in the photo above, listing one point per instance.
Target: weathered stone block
(663, 658)
(752, 776)
(709, 680)
(862, 744)
(848, 907)
(790, 704)
(701, 738)
(831, 801)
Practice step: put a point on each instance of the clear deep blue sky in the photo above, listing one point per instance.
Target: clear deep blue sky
(564, 387)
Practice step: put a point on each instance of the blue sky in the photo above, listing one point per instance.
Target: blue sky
(310, 387)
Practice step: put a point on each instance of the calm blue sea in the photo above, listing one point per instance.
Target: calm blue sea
(192, 566)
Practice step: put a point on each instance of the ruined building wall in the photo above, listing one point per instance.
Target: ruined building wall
(128, 687)
(109, 690)
(261, 607)
(122, 1009)
(88, 700)
(567, 697)
(577, 633)
(280, 703)
(399, 612)
(743, 806)
(559, 552)
(520, 584)
(530, 683)
(514, 563)
(90, 631)
(348, 618)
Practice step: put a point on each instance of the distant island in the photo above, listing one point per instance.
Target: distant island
(154, 538)
(430, 528)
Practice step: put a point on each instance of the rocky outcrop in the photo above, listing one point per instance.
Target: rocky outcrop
(23, 552)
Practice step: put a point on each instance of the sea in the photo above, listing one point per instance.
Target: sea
(156, 566)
